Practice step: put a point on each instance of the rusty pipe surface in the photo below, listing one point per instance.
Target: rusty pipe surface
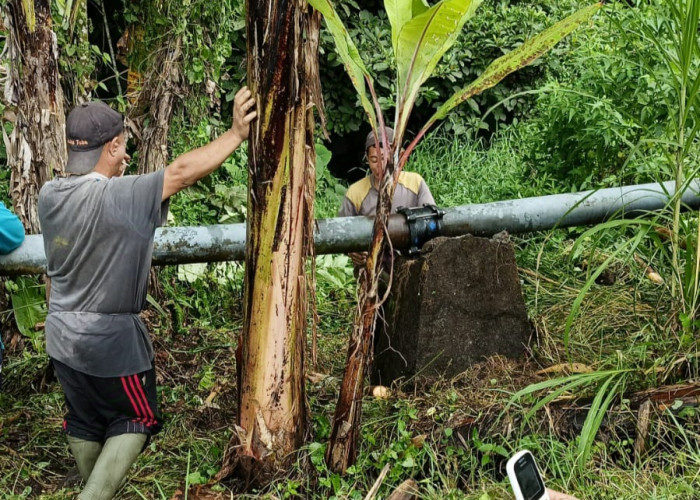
(182, 245)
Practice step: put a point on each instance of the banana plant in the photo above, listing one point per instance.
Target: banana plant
(420, 36)
(36, 146)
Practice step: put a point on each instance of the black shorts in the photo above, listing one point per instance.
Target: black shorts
(100, 408)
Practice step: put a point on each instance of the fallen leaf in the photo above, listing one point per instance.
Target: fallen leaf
(418, 441)
(655, 277)
(566, 368)
(208, 403)
(316, 377)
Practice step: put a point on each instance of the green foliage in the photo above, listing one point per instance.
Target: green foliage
(206, 44)
(206, 378)
(329, 191)
(214, 49)
(487, 449)
(212, 52)
(78, 58)
(501, 26)
(419, 43)
(222, 196)
(335, 271)
(403, 452)
(623, 251)
(609, 385)
(516, 59)
(202, 295)
(677, 146)
(349, 55)
(4, 181)
(460, 172)
(29, 308)
(611, 106)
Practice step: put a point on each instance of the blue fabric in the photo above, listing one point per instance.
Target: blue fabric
(11, 236)
(11, 230)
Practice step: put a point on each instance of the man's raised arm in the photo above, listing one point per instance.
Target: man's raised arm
(189, 167)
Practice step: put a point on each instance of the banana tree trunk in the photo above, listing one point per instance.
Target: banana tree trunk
(345, 434)
(154, 103)
(272, 416)
(36, 147)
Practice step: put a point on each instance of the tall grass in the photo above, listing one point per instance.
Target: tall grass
(676, 39)
(460, 171)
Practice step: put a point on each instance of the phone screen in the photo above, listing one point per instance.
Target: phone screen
(529, 480)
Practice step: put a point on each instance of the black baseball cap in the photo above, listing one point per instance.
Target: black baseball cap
(371, 141)
(89, 127)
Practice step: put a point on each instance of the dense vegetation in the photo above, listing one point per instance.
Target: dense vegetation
(601, 110)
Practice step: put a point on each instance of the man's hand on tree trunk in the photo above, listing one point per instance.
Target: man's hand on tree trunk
(243, 113)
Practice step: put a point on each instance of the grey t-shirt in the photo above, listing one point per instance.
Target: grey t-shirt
(98, 237)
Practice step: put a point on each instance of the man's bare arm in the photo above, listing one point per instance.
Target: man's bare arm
(189, 167)
(556, 495)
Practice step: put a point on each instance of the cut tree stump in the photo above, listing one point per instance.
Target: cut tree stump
(457, 304)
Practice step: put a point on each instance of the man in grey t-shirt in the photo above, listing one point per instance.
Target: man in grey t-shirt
(98, 229)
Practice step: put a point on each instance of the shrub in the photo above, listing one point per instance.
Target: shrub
(588, 122)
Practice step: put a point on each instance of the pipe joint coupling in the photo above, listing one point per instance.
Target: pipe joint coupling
(424, 223)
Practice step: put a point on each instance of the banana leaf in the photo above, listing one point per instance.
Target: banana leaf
(349, 55)
(399, 13)
(516, 59)
(422, 42)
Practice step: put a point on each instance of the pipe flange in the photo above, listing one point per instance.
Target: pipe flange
(424, 223)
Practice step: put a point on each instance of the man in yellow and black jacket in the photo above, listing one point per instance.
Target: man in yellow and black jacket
(361, 198)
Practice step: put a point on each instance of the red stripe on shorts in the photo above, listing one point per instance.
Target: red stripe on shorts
(141, 396)
(145, 400)
(133, 403)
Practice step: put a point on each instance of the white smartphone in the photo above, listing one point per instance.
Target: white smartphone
(525, 477)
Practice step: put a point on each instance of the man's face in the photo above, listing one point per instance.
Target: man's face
(121, 159)
(374, 158)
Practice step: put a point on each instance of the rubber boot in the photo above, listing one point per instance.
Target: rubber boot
(117, 456)
(85, 453)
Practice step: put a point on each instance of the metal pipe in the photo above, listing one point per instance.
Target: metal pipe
(565, 210)
(181, 245)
